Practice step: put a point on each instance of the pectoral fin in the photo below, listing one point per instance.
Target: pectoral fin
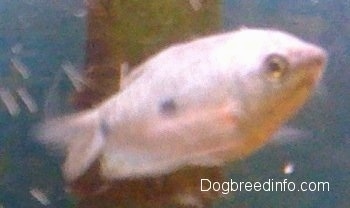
(82, 152)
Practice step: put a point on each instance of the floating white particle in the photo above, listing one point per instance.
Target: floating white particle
(25, 20)
(17, 48)
(196, 4)
(74, 76)
(288, 168)
(20, 67)
(27, 99)
(40, 196)
(124, 69)
(90, 3)
(189, 200)
(9, 101)
(80, 13)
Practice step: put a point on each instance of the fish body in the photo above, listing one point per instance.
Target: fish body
(201, 103)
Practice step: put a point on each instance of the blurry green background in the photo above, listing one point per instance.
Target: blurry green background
(43, 35)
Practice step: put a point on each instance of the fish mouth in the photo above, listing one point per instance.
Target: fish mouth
(309, 71)
(311, 63)
(309, 81)
(314, 73)
(312, 58)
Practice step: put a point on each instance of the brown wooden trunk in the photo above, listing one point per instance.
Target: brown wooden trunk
(129, 31)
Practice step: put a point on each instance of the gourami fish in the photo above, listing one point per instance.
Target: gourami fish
(201, 103)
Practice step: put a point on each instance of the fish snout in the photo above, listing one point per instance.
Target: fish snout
(310, 61)
(316, 57)
(312, 57)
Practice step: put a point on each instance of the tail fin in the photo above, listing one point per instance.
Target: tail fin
(79, 135)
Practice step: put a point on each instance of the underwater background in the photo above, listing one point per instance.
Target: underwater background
(39, 38)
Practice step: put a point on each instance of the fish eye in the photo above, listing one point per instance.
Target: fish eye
(276, 66)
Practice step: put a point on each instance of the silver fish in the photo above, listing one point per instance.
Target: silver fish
(201, 103)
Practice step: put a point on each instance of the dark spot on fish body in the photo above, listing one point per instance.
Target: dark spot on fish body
(167, 106)
(104, 127)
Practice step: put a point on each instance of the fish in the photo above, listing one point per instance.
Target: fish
(205, 102)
